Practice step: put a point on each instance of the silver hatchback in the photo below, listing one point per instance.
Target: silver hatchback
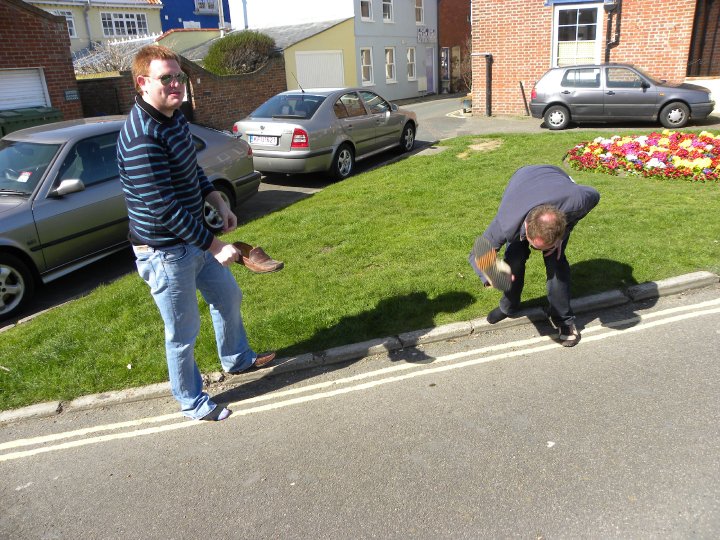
(303, 131)
(615, 92)
(61, 201)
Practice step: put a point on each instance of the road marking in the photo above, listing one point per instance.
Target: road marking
(389, 375)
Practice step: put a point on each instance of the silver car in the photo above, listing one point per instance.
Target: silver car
(615, 92)
(303, 131)
(61, 202)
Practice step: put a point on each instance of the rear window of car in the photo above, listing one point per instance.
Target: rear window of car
(582, 78)
(297, 106)
(22, 164)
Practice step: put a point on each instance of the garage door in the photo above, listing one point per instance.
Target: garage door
(20, 88)
(320, 69)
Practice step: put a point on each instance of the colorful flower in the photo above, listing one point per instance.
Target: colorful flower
(667, 155)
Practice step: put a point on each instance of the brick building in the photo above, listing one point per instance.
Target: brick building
(36, 68)
(213, 100)
(516, 41)
(454, 38)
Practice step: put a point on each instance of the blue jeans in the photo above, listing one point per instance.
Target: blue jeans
(174, 275)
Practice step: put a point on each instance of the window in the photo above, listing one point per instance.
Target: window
(582, 78)
(387, 10)
(419, 12)
(349, 106)
(390, 64)
(367, 67)
(206, 6)
(92, 160)
(576, 35)
(124, 24)
(411, 64)
(68, 19)
(375, 103)
(616, 77)
(366, 10)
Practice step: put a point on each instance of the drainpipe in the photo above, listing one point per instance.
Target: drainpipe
(614, 11)
(488, 80)
(221, 18)
(245, 13)
(86, 11)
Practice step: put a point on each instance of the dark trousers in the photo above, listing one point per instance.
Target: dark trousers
(558, 282)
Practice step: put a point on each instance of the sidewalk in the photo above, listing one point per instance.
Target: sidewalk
(384, 345)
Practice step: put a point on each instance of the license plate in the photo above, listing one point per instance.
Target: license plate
(263, 139)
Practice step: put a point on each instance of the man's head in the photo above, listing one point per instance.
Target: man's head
(545, 226)
(158, 77)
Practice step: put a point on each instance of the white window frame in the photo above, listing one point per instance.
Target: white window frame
(411, 64)
(368, 3)
(419, 10)
(370, 80)
(68, 19)
(597, 49)
(387, 7)
(116, 20)
(206, 7)
(390, 67)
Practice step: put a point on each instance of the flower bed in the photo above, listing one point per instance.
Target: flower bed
(667, 155)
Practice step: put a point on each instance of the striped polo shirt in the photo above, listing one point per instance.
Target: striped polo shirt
(164, 186)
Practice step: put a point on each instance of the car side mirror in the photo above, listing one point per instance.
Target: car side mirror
(66, 187)
(644, 84)
(393, 107)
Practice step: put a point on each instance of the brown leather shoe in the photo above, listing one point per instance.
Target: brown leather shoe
(264, 359)
(256, 260)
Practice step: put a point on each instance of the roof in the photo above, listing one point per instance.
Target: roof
(284, 36)
(100, 3)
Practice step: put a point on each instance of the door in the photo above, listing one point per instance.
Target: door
(355, 122)
(388, 127)
(320, 69)
(582, 92)
(81, 224)
(21, 88)
(628, 95)
(430, 69)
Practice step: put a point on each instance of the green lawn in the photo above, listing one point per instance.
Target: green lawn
(380, 253)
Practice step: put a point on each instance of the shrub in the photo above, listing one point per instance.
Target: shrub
(239, 52)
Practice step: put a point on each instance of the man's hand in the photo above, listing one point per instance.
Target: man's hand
(225, 254)
(229, 219)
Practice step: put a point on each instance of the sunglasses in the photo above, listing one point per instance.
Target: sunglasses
(166, 79)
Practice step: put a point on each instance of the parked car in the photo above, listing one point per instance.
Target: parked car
(615, 92)
(302, 131)
(61, 201)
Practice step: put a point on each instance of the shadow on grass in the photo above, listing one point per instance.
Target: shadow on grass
(390, 317)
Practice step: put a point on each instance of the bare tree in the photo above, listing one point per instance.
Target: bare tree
(465, 66)
(109, 56)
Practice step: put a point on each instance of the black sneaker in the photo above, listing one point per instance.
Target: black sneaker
(569, 335)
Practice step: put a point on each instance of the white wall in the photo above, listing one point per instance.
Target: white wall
(266, 13)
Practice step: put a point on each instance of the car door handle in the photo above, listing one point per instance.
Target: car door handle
(611, 93)
(566, 92)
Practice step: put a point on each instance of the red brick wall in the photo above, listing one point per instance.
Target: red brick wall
(217, 101)
(655, 36)
(454, 30)
(32, 38)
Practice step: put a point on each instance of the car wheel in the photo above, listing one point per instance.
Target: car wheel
(557, 117)
(213, 219)
(407, 139)
(674, 115)
(343, 163)
(16, 285)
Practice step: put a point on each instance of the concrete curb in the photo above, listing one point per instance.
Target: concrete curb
(355, 351)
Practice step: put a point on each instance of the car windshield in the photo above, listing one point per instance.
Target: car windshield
(22, 165)
(289, 106)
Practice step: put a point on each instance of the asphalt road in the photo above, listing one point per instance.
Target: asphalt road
(500, 434)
